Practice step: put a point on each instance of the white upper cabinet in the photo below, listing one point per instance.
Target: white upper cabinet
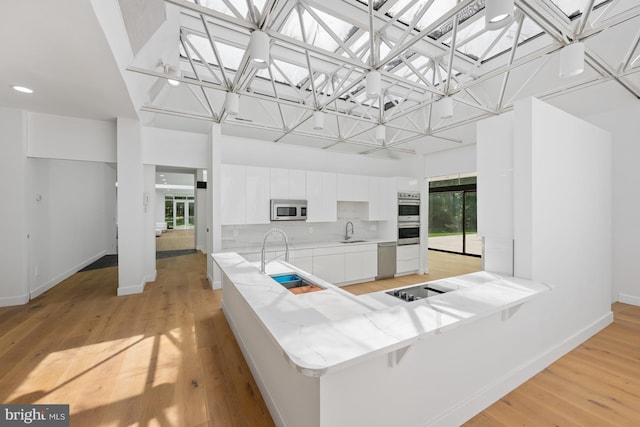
(408, 183)
(379, 206)
(321, 197)
(353, 188)
(257, 195)
(245, 195)
(288, 184)
(233, 180)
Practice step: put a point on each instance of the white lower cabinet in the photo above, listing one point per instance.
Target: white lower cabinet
(302, 258)
(329, 267)
(407, 259)
(338, 265)
(360, 263)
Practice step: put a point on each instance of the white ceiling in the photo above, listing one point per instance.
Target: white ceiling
(60, 50)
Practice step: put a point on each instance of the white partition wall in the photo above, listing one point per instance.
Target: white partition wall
(562, 211)
(131, 247)
(625, 127)
(495, 192)
(559, 205)
(13, 245)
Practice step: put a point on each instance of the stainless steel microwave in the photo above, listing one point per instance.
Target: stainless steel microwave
(288, 210)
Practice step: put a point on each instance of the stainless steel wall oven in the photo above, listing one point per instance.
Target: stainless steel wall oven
(408, 207)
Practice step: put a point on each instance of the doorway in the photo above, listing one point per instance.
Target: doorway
(175, 210)
(453, 216)
(183, 213)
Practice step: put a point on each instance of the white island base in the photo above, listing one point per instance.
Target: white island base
(330, 359)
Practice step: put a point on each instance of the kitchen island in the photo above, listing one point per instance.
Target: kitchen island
(329, 358)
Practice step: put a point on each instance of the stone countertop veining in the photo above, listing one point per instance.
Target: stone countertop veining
(329, 329)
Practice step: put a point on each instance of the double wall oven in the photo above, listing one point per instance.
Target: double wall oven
(408, 218)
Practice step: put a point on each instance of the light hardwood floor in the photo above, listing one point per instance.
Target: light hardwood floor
(167, 357)
(172, 240)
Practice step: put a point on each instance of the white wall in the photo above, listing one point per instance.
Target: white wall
(159, 206)
(70, 138)
(70, 218)
(450, 162)
(13, 244)
(248, 152)
(149, 231)
(174, 148)
(625, 127)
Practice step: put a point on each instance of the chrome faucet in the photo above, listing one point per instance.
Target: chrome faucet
(346, 231)
(264, 243)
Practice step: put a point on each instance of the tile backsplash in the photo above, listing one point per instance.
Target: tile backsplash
(245, 236)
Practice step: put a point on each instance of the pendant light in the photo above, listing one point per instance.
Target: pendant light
(445, 107)
(168, 69)
(572, 60)
(381, 133)
(498, 14)
(318, 120)
(259, 49)
(232, 104)
(372, 84)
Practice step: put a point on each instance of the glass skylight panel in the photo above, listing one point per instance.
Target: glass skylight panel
(377, 4)
(477, 47)
(362, 41)
(260, 5)
(229, 55)
(203, 47)
(468, 12)
(410, 13)
(573, 8)
(436, 10)
(217, 5)
(316, 34)
(295, 73)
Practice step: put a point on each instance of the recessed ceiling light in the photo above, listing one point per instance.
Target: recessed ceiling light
(22, 89)
(161, 174)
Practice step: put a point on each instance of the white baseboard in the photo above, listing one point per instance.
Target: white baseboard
(130, 290)
(629, 299)
(70, 272)
(465, 410)
(151, 277)
(17, 300)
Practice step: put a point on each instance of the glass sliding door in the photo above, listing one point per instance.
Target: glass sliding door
(453, 216)
(445, 221)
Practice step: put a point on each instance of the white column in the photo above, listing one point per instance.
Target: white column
(200, 195)
(130, 208)
(214, 233)
(495, 192)
(13, 244)
(149, 204)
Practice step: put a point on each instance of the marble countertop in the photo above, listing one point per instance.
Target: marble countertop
(330, 329)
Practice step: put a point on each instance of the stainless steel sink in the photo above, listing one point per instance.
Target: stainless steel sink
(352, 241)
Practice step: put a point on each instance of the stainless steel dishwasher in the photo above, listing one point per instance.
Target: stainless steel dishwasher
(386, 260)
